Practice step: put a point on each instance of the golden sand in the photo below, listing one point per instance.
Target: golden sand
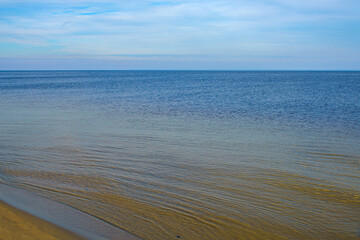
(16, 224)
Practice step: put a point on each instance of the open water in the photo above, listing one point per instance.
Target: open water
(190, 154)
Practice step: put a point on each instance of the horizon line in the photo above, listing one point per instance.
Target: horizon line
(209, 70)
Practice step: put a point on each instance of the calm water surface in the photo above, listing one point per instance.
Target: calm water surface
(195, 155)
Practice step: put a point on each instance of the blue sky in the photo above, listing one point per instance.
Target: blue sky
(174, 34)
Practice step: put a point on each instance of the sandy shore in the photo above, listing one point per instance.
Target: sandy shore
(25, 215)
(17, 224)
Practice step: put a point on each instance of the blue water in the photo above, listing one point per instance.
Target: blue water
(298, 97)
(237, 153)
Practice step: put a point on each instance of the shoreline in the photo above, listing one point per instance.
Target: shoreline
(18, 224)
(25, 215)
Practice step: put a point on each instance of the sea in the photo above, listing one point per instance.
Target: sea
(190, 154)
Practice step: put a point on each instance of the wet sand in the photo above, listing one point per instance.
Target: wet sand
(24, 215)
(17, 224)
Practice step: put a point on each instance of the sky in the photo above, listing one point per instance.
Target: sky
(180, 35)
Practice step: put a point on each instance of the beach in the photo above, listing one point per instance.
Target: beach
(25, 215)
(17, 224)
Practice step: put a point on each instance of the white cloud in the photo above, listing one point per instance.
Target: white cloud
(177, 27)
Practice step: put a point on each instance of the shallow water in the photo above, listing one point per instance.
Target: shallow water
(195, 155)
